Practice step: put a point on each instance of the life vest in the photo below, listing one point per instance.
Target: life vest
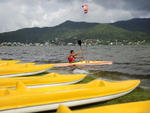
(71, 59)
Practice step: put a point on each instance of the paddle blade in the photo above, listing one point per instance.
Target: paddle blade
(79, 42)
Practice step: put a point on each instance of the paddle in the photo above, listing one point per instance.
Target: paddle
(80, 44)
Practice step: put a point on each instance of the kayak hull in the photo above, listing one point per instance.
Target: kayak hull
(8, 62)
(52, 79)
(70, 95)
(132, 107)
(23, 69)
(84, 63)
(23, 74)
(69, 104)
(56, 84)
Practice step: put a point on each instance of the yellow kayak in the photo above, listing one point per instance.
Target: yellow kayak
(9, 61)
(10, 65)
(23, 69)
(42, 81)
(24, 100)
(83, 63)
(5, 62)
(132, 107)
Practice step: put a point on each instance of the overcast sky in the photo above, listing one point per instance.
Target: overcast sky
(16, 14)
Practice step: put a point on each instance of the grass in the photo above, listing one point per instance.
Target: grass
(86, 79)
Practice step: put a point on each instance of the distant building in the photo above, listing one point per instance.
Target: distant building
(69, 44)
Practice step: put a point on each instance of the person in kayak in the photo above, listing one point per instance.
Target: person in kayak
(72, 56)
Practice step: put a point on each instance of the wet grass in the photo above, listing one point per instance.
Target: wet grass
(117, 75)
(41, 74)
(87, 79)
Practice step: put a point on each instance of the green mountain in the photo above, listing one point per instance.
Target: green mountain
(105, 32)
(36, 34)
(76, 25)
(71, 31)
(137, 24)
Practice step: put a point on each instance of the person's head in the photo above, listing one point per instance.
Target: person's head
(71, 51)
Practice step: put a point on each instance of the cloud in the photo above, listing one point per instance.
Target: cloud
(140, 5)
(16, 14)
(125, 4)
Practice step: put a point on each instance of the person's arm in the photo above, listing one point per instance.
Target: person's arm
(79, 52)
(78, 57)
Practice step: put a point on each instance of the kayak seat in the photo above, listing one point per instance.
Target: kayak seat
(9, 91)
(63, 109)
(95, 83)
(53, 75)
(20, 86)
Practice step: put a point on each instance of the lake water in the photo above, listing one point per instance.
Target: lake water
(133, 60)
